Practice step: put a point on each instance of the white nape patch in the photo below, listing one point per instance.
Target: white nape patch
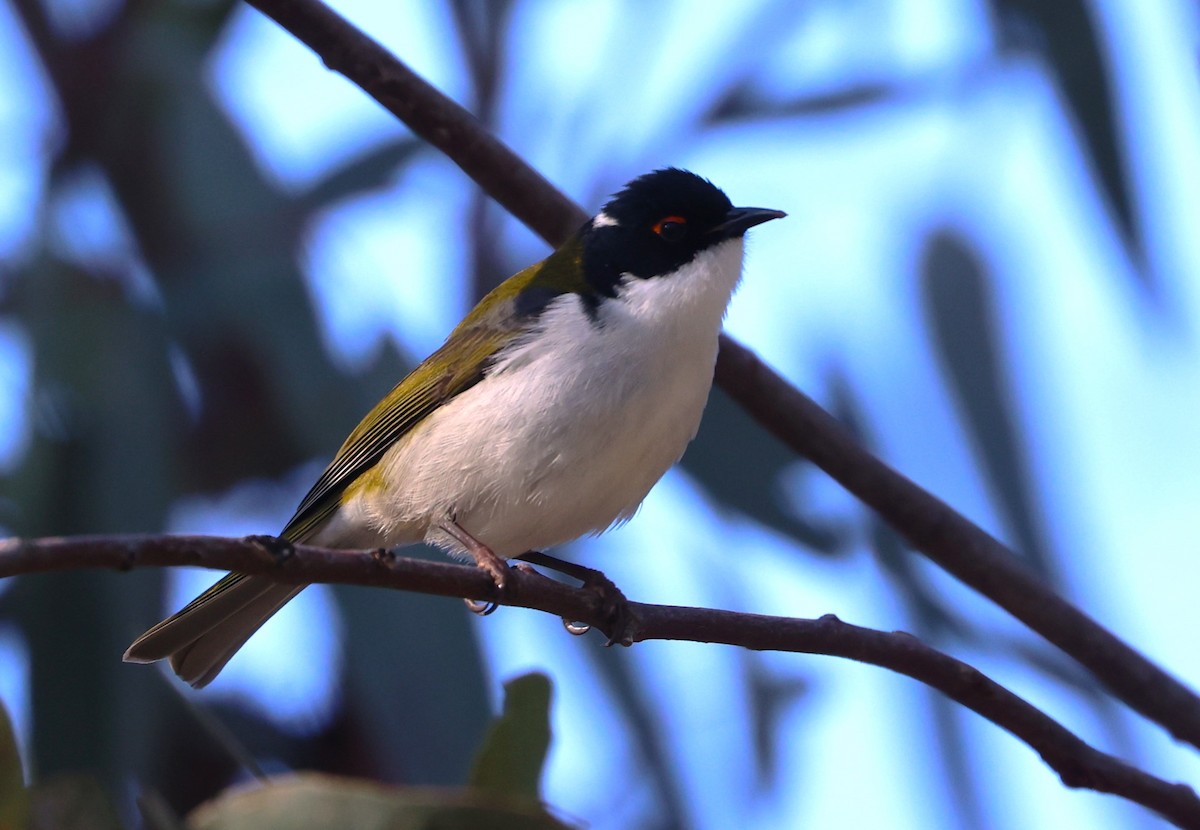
(603, 220)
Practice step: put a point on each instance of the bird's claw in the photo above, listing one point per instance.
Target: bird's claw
(384, 556)
(279, 548)
(481, 607)
(574, 627)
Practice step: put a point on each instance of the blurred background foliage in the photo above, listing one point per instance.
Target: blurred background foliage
(212, 269)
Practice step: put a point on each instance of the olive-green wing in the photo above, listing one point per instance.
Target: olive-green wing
(457, 366)
(454, 368)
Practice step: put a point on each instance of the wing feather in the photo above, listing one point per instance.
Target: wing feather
(454, 368)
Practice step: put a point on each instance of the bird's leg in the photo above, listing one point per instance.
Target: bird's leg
(485, 559)
(614, 607)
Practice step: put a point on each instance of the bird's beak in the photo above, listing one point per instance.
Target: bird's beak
(741, 219)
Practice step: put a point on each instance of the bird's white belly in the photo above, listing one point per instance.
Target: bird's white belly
(546, 452)
(526, 467)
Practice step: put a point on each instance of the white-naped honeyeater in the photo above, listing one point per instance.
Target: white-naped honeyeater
(548, 413)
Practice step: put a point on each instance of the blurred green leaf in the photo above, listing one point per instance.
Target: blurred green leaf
(368, 172)
(316, 802)
(156, 812)
(739, 464)
(412, 669)
(745, 103)
(513, 753)
(104, 421)
(1066, 35)
(14, 799)
(773, 696)
(72, 802)
(962, 320)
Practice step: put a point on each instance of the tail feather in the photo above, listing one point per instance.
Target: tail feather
(201, 638)
(202, 659)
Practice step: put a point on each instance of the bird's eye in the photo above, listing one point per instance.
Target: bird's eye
(671, 228)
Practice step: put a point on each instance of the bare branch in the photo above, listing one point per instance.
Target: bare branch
(932, 527)
(1077, 764)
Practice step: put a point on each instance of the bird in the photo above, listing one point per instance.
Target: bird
(547, 415)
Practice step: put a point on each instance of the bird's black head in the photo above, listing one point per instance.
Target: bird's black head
(659, 222)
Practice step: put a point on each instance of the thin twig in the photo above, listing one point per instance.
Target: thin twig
(1077, 763)
(952, 541)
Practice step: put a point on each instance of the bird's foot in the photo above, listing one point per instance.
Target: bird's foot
(484, 608)
(384, 556)
(277, 547)
(619, 621)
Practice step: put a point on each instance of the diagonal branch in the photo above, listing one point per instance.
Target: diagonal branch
(929, 524)
(1077, 764)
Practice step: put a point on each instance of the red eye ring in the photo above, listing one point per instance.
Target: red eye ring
(670, 227)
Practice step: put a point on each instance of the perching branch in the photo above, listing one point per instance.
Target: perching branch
(1078, 764)
(946, 537)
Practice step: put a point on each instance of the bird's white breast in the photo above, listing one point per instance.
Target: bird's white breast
(573, 424)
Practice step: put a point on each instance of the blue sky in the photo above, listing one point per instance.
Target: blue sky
(1107, 395)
